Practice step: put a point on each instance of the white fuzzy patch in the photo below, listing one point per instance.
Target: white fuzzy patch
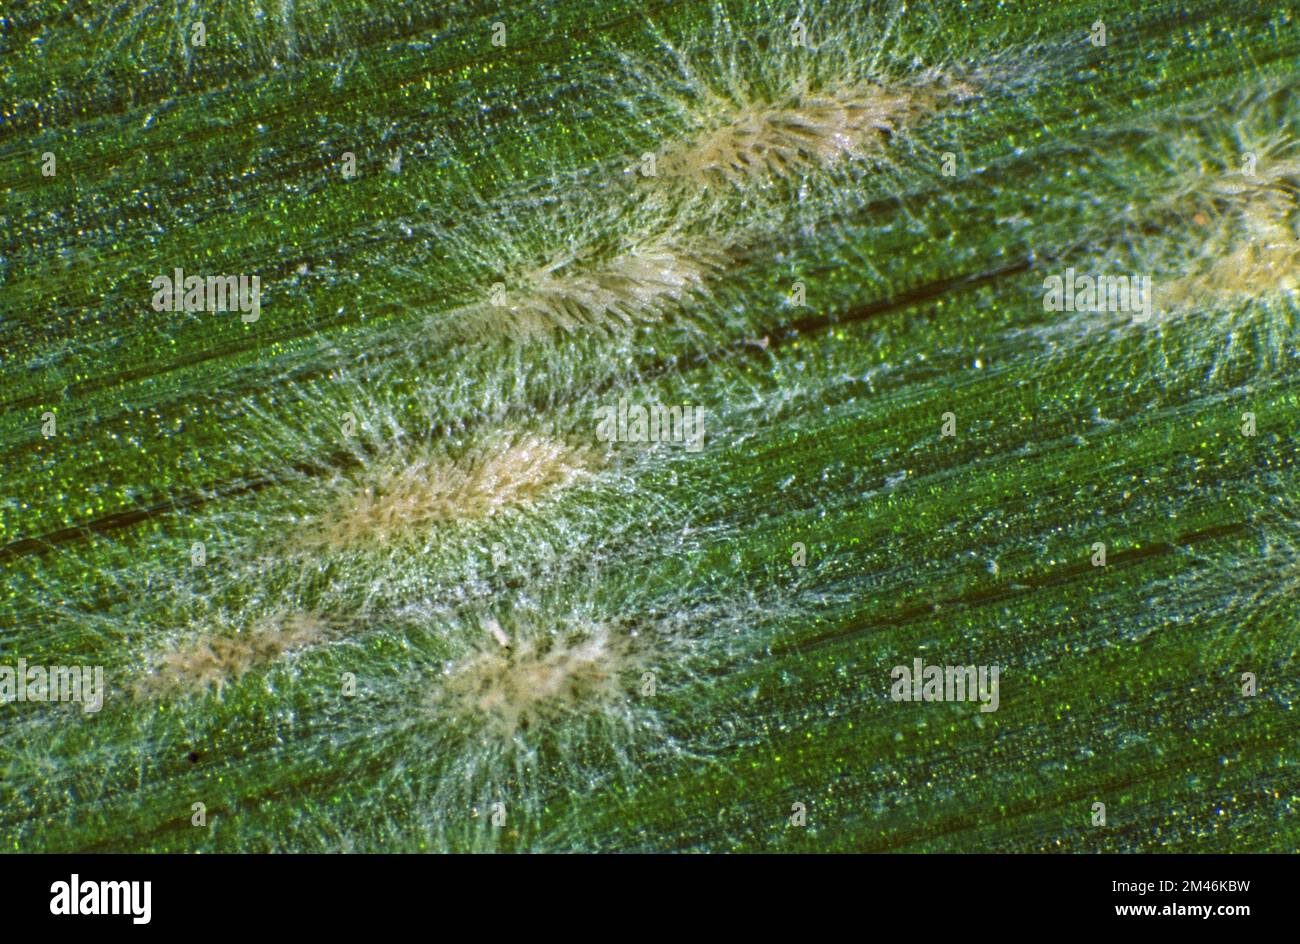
(397, 497)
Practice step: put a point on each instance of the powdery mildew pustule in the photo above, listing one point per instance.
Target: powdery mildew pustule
(1215, 220)
(209, 662)
(509, 686)
(544, 695)
(753, 141)
(644, 284)
(398, 497)
(554, 692)
(1248, 223)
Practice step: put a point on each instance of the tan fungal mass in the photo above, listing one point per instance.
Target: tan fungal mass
(393, 502)
(1251, 236)
(641, 285)
(509, 688)
(757, 141)
(212, 661)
